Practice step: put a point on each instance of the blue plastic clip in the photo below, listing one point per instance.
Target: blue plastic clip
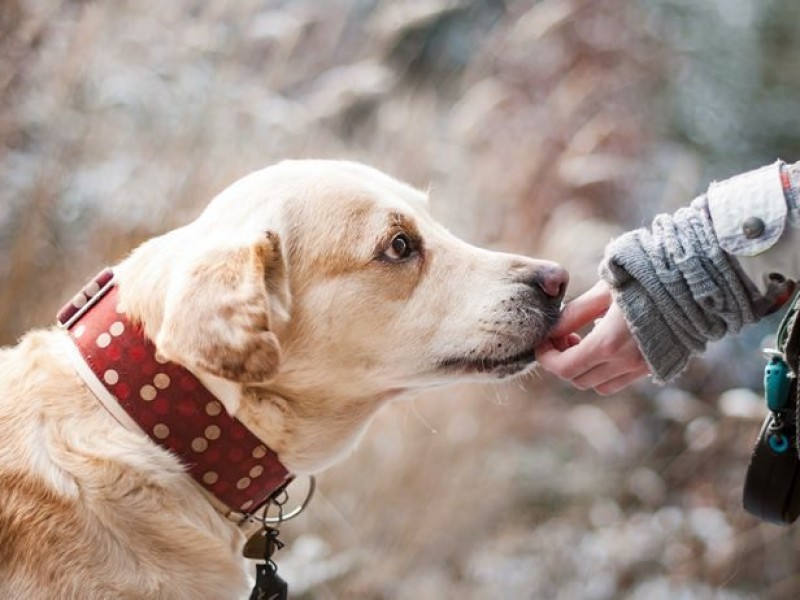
(777, 383)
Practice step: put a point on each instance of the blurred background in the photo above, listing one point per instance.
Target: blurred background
(542, 127)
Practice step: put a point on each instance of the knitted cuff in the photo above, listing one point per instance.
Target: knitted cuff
(665, 354)
(644, 306)
(677, 288)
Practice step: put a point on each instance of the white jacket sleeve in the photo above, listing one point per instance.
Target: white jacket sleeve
(756, 219)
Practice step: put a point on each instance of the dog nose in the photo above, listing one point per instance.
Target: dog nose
(552, 279)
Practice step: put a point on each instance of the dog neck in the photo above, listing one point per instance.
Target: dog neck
(312, 429)
(165, 401)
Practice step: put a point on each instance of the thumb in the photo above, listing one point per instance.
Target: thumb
(583, 310)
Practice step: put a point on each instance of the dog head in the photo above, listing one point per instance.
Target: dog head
(328, 285)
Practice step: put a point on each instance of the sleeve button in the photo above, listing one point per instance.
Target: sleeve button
(753, 227)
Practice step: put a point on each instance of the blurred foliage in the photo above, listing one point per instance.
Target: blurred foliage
(732, 83)
(541, 127)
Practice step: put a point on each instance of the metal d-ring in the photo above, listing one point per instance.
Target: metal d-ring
(312, 485)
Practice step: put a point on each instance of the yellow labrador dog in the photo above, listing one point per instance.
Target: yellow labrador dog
(305, 297)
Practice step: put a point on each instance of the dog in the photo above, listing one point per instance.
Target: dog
(306, 296)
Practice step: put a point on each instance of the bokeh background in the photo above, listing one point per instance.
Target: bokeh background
(543, 127)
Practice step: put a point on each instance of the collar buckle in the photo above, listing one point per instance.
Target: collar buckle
(84, 300)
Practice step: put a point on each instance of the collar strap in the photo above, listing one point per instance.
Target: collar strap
(168, 403)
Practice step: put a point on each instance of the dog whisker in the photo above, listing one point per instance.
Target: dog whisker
(415, 410)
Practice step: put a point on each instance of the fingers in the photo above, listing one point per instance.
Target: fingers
(603, 375)
(567, 342)
(606, 360)
(570, 363)
(620, 383)
(598, 375)
(583, 310)
(607, 377)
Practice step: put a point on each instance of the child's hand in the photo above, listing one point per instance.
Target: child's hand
(607, 359)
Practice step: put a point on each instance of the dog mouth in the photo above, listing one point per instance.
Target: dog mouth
(514, 363)
(498, 366)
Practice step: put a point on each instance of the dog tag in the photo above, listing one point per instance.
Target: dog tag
(268, 585)
(256, 546)
(262, 544)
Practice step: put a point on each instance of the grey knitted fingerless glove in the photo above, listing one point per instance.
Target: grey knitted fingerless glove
(677, 288)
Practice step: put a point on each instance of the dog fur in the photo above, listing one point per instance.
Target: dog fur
(288, 298)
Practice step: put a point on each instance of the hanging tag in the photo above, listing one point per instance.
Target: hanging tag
(256, 546)
(269, 586)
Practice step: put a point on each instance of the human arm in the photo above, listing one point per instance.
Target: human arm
(692, 277)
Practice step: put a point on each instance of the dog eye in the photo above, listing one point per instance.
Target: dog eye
(400, 248)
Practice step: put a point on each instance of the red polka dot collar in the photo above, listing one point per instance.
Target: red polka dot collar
(166, 402)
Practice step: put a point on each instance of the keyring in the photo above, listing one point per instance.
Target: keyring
(312, 486)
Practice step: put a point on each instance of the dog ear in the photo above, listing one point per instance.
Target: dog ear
(219, 312)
